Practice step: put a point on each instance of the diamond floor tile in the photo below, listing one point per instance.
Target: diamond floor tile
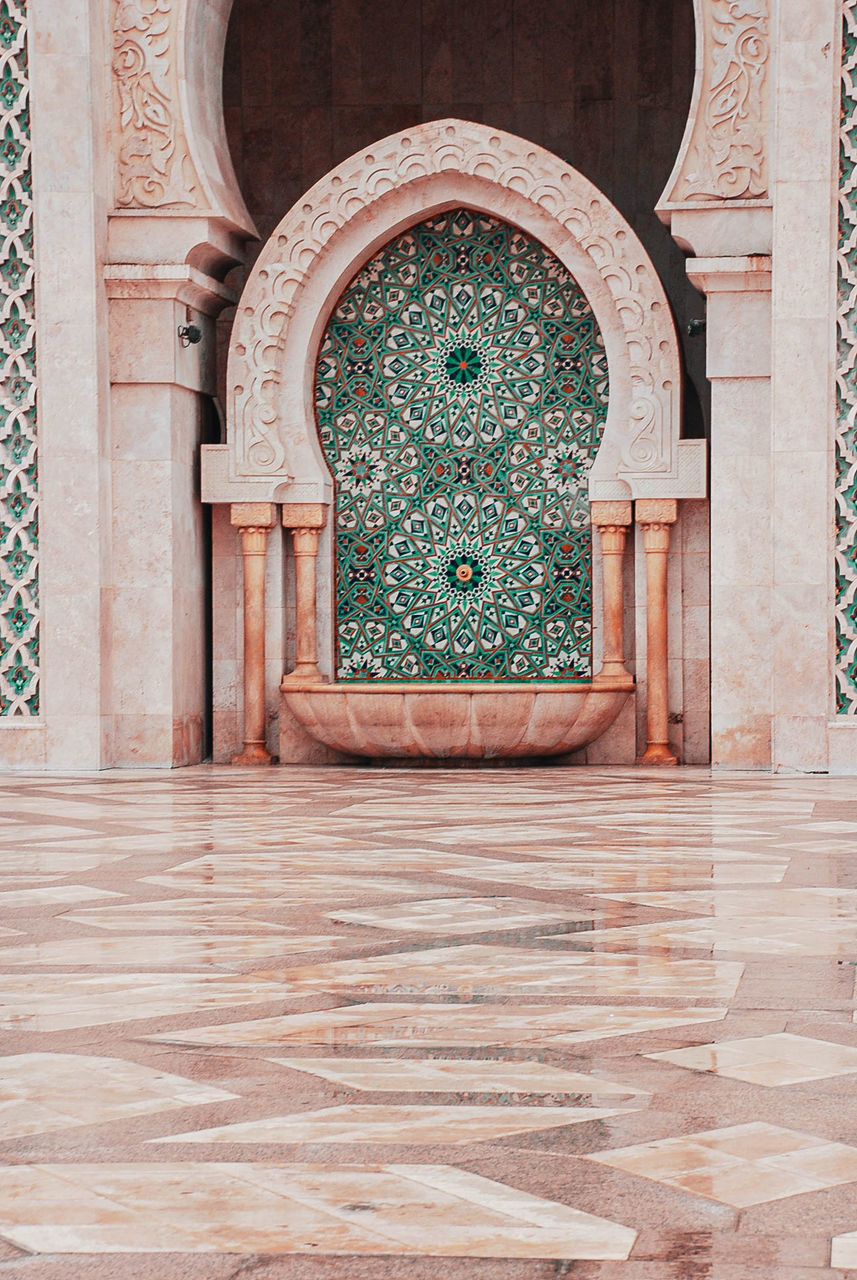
(482, 1076)
(741, 1165)
(779, 1059)
(456, 1125)
(270, 1209)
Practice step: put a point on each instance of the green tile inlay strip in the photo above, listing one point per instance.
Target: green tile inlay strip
(19, 598)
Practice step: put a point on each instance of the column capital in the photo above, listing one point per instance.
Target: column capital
(650, 511)
(304, 515)
(613, 538)
(610, 513)
(262, 515)
(254, 539)
(305, 540)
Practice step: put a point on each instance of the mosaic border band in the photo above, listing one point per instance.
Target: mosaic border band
(19, 588)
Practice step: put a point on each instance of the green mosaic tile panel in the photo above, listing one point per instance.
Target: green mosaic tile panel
(19, 598)
(461, 394)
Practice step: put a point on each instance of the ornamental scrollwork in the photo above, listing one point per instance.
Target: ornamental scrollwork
(261, 441)
(152, 165)
(727, 158)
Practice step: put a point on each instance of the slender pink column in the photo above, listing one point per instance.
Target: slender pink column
(253, 520)
(306, 520)
(656, 517)
(612, 520)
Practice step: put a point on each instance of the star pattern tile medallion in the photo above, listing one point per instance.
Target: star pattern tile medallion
(461, 393)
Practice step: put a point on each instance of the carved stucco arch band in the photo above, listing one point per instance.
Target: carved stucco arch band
(272, 452)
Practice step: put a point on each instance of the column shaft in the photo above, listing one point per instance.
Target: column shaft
(305, 520)
(254, 544)
(656, 518)
(612, 520)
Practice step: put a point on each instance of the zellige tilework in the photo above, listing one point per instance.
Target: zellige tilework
(19, 546)
(461, 393)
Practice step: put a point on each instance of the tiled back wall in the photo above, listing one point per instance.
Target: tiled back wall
(606, 86)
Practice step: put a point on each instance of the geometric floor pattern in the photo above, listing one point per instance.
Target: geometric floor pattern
(742, 1164)
(770, 1060)
(357, 1024)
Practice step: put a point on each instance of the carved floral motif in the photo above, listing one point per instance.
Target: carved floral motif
(152, 164)
(727, 157)
(259, 439)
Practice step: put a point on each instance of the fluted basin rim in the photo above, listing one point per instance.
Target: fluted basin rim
(456, 719)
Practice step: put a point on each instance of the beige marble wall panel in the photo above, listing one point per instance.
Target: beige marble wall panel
(694, 533)
(158, 632)
(740, 687)
(69, 170)
(145, 345)
(806, 122)
(743, 346)
(189, 604)
(741, 563)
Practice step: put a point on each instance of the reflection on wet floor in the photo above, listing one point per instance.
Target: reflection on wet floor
(485, 1023)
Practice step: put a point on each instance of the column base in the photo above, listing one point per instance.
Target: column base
(610, 673)
(304, 673)
(253, 753)
(657, 753)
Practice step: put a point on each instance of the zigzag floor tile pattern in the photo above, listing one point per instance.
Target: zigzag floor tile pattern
(351, 1024)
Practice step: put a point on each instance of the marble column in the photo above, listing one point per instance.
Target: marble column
(612, 520)
(253, 520)
(306, 520)
(656, 516)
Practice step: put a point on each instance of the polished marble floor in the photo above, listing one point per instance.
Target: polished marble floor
(354, 1024)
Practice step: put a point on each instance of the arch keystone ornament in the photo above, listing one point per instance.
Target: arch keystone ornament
(274, 453)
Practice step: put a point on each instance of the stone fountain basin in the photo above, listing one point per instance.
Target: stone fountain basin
(455, 719)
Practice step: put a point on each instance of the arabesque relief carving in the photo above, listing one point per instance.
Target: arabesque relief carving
(259, 438)
(152, 163)
(725, 154)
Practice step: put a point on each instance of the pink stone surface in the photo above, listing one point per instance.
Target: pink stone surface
(347, 1024)
(459, 721)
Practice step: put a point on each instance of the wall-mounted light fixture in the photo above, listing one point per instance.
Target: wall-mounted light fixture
(189, 335)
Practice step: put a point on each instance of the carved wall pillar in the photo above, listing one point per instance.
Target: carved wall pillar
(724, 160)
(656, 518)
(612, 520)
(306, 520)
(742, 497)
(253, 520)
(176, 222)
